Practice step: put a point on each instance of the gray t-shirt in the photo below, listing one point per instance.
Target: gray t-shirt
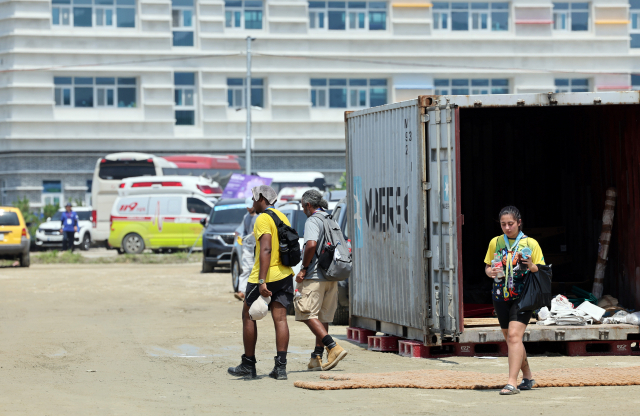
(314, 231)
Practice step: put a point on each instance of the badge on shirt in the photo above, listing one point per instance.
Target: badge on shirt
(69, 221)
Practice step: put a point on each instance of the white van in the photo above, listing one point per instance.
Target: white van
(109, 172)
(156, 222)
(172, 184)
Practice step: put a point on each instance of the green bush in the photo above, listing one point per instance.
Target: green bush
(342, 183)
(49, 210)
(29, 217)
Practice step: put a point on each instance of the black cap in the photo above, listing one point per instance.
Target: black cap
(68, 204)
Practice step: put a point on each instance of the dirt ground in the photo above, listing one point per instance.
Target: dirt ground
(157, 340)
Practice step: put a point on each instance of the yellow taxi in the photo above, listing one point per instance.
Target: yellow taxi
(14, 236)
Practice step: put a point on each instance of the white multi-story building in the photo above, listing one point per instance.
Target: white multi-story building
(83, 78)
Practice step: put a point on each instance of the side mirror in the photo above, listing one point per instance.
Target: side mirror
(48, 218)
(203, 222)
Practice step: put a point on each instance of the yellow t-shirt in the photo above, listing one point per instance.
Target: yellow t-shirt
(498, 242)
(277, 271)
(497, 245)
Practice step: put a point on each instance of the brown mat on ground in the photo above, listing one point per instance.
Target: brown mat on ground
(447, 379)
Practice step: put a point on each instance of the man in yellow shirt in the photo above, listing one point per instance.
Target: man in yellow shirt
(269, 278)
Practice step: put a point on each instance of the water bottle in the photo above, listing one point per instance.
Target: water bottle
(284, 254)
(495, 263)
(526, 253)
(296, 294)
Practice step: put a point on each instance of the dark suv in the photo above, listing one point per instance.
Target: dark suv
(219, 235)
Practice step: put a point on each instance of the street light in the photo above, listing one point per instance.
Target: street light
(248, 107)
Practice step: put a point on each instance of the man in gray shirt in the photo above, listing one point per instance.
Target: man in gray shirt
(248, 245)
(318, 298)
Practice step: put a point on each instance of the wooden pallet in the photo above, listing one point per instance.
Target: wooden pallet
(475, 322)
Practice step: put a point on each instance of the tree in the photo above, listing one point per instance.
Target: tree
(49, 210)
(342, 183)
(33, 221)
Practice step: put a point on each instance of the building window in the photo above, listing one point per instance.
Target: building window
(52, 193)
(94, 92)
(89, 13)
(634, 14)
(185, 98)
(571, 17)
(352, 15)
(463, 86)
(182, 21)
(635, 82)
(348, 93)
(236, 92)
(572, 85)
(243, 14)
(471, 16)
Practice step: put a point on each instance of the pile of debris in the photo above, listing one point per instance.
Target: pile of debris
(563, 312)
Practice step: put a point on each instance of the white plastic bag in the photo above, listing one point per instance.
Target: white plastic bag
(633, 318)
(543, 313)
(561, 303)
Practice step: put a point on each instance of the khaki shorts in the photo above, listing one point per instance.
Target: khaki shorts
(317, 300)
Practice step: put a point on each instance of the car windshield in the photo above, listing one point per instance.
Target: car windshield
(57, 216)
(228, 214)
(9, 218)
(117, 170)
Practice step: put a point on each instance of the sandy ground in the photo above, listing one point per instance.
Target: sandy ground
(157, 340)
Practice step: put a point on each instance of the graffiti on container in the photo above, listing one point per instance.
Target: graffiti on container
(386, 208)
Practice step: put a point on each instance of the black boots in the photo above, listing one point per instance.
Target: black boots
(247, 368)
(279, 371)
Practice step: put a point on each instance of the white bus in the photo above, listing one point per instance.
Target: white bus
(109, 173)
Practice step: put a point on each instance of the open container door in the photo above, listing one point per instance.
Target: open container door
(446, 273)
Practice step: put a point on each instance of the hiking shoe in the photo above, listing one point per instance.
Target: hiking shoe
(315, 364)
(279, 371)
(334, 355)
(247, 368)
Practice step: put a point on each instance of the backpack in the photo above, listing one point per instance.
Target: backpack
(334, 255)
(289, 241)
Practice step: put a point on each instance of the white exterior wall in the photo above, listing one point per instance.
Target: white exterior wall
(529, 54)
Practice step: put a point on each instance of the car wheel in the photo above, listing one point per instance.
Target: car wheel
(342, 316)
(206, 266)
(25, 260)
(133, 244)
(85, 245)
(236, 271)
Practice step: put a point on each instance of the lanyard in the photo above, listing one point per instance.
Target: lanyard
(510, 253)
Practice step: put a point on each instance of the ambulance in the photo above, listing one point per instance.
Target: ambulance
(158, 213)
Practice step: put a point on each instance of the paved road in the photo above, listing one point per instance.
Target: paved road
(157, 339)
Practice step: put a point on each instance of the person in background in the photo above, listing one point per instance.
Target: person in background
(318, 298)
(268, 278)
(68, 227)
(248, 245)
(508, 265)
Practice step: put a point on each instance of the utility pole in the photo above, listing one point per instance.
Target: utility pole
(248, 107)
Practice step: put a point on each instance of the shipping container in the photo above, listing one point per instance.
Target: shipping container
(429, 176)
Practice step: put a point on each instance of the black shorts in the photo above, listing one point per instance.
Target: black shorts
(508, 311)
(281, 292)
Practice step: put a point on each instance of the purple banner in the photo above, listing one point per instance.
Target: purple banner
(240, 185)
